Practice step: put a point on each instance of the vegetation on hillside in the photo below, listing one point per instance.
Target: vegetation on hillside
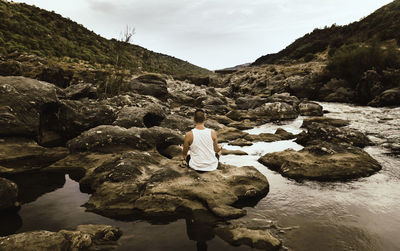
(380, 26)
(350, 62)
(25, 28)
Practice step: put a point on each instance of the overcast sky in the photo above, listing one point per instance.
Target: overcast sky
(211, 33)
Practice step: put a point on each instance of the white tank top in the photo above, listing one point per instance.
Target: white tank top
(202, 154)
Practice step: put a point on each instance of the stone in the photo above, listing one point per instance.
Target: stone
(322, 161)
(328, 133)
(274, 111)
(145, 116)
(178, 123)
(114, 138)
(255, 238)
(21, 102)
(149, 84)
(326, 121)
(228, 133)
(243, 125)
(233, 152)
(390, 97)
(240, 142)
(81, 90)
(249, 102)
(310, 109)
(146, 184)
(85, 237)
(8, 195)
(19, 155)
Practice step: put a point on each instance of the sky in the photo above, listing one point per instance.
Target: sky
(213, 34)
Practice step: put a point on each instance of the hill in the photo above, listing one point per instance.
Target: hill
(382, 26)
(29, 29)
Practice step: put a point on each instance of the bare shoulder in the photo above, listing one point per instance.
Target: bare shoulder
(213, 133)
(189, 134)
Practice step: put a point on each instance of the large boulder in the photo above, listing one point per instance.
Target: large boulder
(113, 138)
(325, 120)
(145, 116)
(322, 161)
(149, 84)
(8, 194)
(389, 97)
(81, 90)
(146, 184)
(310, 109)
(25, 155)
(274, 111)
(85, 237)
(21, 102)
(249, 102)
(328, 133)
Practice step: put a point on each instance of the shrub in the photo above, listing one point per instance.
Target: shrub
(351, 61)
(309, 57)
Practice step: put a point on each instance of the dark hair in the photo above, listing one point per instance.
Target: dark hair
(199, 116)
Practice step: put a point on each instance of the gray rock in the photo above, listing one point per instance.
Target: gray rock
(310, 109)
(81, 90)
(85, 237)
(389, 97)
(21, 102)
(322, 161)
(19, 155)
(136, 183)
(326, 121)
(275, 111)
(8, 195)
(147, 116)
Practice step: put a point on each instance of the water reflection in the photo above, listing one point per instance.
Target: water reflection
(200, 232)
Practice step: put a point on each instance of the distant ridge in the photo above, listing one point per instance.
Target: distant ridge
(29, 29)
(381, 26)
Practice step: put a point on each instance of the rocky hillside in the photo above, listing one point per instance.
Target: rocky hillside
(382, 26)
(28, 29)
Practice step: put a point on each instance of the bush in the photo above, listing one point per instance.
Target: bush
(309, 57)
(351, 61)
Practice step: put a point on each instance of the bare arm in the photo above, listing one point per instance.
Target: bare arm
(217, 148)
(186, 144)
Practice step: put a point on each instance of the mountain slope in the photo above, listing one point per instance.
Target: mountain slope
(26, 28)
(380, 26)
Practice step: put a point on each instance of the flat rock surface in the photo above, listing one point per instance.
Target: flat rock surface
(324, 161)
(134, 183)
(85, 237)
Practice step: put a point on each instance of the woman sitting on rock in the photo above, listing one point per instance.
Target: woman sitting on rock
(203, 145)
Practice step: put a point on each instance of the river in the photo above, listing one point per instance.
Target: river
(362, 214)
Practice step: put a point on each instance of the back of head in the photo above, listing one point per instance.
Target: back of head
(199, 116)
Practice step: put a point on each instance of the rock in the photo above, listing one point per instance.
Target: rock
(284, 135)
(146, 184)
(21, 101)
(263, 137)
(228, 133)
(240, 142)
(148, 116)
(317, 131)
(56, 75)
(172, 152)
(178, 123)
(221, 119)
(233, 152)
(25, 155)
(85, 237)
(389, 97)
(322, 161)
(237, 115)
(67, 119)
(369, 86)
(149, 84)
(8, 195)
(255, 238)
(81, 90)
(274, 111)
(310, 109)
(283, 97)
(326, 121)
(249, 102)
(114, 138)
(243, 125)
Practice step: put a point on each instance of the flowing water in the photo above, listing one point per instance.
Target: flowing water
(362, 214)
